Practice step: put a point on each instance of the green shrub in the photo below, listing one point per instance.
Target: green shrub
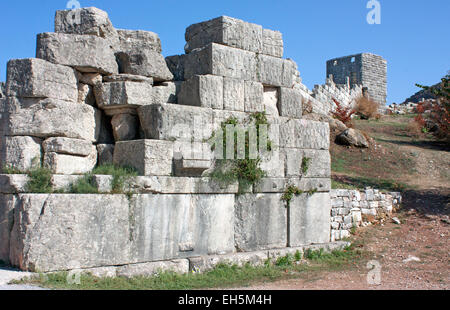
(40, 181)
(120, 176)
(84, 185)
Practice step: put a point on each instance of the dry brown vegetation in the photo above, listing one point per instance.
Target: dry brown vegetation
(366, 108)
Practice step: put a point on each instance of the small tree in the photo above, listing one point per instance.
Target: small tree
(344, 114)
(435, 116)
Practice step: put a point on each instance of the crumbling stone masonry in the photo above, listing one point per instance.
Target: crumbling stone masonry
(364, 69)
(96, 95)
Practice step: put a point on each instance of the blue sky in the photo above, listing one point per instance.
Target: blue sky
(413, 35)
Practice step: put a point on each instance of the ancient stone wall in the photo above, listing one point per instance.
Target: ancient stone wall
(364, 69)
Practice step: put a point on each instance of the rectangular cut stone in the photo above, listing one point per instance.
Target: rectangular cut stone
(7, 204)
(272, 43)
(253, 96)
(279, 185)
(175, 226)
(178, 266)
(317, 163)
(226, 31)
(51, 117)
(13, 183)
(116, 95)
(272, 162)
(86, 53)
(271, 101)
(37, 78)
(68, 146)
(260, 222)
(304, 134)
(144, 62)
(175, 64)
(274, 71)
(69, 164)
(202, 91)
(221, 60)
(75, 231)
(21, 153)
(207, 263)
(64, 182)
(309, 219)
(132, 40)
(176, 122)
(290, 103)
(148, 157)
(191, 167)
(233, 94)
(167, 92)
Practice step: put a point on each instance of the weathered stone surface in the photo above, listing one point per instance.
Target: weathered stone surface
(260, 222)
(309, 219)
(86, 94)
(178, 226)
(138, 40)
(116, 95)
(67, 146)
(144, 62)
(37, 78)
(63, 232)
(7, 203)
(166, 92)
(290, 103)
(272, 43)
(105, 154)
(103, 183)
(85, 53)
(233, 94)
(279, 185)
(123, 77)
(226, 31)
(304, 134)
(202, 91)
(90, 79)
(271, 101)
(207, 263)
(274, 71)
(64, 182)
(352, 137)
(179, 266)
(125, 127)
(176, 122)
(2, 89)
(13, 183)
(69, 164)
(148, 157)
(308, 163)
(176, 66)
(50, 118)
(221, 60)
(87, 21)
(253, 96)
(21, 153)
(191, 167)
(272, 162)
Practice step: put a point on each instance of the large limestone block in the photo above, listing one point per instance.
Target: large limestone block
(233, 94)
(260, 222)
(87, 21)
(148, 157)
(279, 185)
(290, 103)
(309, 219)
(123, 77)
(174, 122)
(253, 96)
(273, 71)
(63, 232)
(125, 127)
(202, 91)
(177, 226)
(137, 40)
(271, 101)
(67, 146)
(117, 95)
(37, 78)
(178, 266)
(272, 162)
(144, 62)
(166, 92)
(175, 64)
(221, 60)
(22, 153)
(7, 203)
(86, 53)
(304, 134)
(272, 43)
(50, 118)
(69, 164)
(308, 163)
(226, 31)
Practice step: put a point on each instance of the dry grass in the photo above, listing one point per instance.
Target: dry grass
(366, 108)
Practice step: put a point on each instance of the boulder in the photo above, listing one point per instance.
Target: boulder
(86, 53)
(37, 78)
(352, 137)
(144, 62)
